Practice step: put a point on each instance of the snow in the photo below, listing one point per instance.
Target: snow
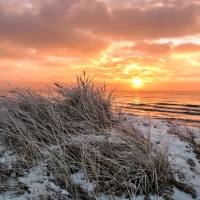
(79, 178)
(35, 180)
(179, 152)
(179, 195)
(11, 195)
(7, 158)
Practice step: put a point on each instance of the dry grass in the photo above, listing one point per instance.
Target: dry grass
(63, 129)
(3, 174)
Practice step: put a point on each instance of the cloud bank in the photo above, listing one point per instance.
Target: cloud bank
(44, 40)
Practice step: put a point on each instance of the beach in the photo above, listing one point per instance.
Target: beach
(78, 145)
(173, 139)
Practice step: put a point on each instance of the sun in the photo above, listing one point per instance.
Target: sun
(137, 82)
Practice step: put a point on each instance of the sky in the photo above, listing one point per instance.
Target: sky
(137, 44)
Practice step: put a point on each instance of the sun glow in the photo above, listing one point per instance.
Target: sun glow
(137, 82)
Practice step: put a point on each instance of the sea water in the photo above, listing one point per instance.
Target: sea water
(181, 107)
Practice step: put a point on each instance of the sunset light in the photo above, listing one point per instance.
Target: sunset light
(137, 83)
(113, 41)
(100, 99)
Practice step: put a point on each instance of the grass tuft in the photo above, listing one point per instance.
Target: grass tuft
(73, 130)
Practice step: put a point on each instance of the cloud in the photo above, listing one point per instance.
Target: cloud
(138, 23)
(151, 49)
(187, 48)
(86, 25)
(49, 30)
(158, 50)
(53, 39)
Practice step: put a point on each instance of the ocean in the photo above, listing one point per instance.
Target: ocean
(180, 107)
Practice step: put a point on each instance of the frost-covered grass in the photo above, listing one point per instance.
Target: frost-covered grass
(72, 143)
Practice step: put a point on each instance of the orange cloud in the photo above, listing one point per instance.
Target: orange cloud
(113, 40)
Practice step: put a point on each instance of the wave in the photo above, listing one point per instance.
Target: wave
(178, 108)
(170, 110)
(175, 104)
(168, 106)
(183, 106)
(138, 104)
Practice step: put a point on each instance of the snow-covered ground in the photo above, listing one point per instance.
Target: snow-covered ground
(180, 153)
